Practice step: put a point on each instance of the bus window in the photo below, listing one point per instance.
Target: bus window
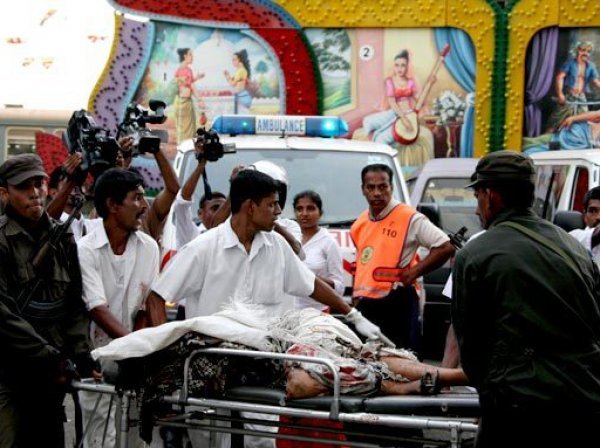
(20, 140)
(18, 127)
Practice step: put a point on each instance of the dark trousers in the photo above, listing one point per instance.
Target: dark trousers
(397, 315)
(563, 427)
(31, 417)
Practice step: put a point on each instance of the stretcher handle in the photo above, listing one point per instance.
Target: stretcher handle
(335, 403)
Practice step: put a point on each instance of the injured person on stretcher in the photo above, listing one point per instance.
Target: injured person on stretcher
(365, 369)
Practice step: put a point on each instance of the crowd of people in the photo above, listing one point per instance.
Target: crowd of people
(525, 305)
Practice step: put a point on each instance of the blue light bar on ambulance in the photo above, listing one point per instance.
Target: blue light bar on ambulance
(309, 126)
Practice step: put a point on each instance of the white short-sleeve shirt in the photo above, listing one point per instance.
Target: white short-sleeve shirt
(215, 267)
(584, 236)
(121, 282)
(185, 228)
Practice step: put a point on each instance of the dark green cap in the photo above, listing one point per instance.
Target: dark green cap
(19, 168)
(501, 166)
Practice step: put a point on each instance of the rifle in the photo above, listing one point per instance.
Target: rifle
(458, 239)
(392, 275)
(45, 251)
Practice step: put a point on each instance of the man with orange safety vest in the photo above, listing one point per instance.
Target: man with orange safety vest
(387, 235)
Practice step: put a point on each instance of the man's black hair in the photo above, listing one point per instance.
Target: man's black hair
(376, 167)
(115, 184)
(594, 193)
(250, 184)
(214, 195)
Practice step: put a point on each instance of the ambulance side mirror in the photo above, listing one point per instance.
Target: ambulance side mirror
(432, 211)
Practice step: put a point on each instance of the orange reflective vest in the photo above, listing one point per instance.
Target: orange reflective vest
(378, 244)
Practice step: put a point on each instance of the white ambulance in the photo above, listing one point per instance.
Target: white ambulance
(314, 158)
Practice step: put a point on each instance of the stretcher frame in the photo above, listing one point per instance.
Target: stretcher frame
(455, 426)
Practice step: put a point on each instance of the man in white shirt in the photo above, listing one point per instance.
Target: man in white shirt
(118, 265)
(590, 236)
(243, 259)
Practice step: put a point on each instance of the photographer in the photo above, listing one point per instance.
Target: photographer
(137, 139)
(185, 228)
(43, 321)
(67, 193)
(154, 218)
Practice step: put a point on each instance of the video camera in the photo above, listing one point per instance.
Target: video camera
(98, 149)
(213, 149)
(134, 124)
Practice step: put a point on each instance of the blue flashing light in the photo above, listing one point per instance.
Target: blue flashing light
(326, 127)
(234, 124)
(310, 126)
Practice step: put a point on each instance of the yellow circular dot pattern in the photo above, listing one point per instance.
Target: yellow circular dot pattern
(367, 13)
(579, 13)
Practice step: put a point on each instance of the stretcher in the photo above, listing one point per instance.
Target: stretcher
(380, 421)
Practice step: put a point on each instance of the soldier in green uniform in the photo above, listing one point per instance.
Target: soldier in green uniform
(526, 314)
(43, 321)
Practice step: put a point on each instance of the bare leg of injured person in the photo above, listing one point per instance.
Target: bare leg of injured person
(300, 384)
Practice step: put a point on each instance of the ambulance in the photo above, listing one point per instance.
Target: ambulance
(310, 149)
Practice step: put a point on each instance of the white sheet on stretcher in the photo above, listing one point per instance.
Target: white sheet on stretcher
(229, 325)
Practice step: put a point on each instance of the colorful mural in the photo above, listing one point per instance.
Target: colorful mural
(389, 89)
(393, 91)
(563, 102)
(202, 72)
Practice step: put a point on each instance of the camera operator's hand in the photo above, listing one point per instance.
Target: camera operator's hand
(71, 167)
(126, 145)
(199, 149)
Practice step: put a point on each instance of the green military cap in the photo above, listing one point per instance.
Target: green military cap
(19, 168)
(503, 166)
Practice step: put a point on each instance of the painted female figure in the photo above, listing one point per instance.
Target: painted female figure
(572, 83)
(401, 94)
(239, 81)
(185, 114)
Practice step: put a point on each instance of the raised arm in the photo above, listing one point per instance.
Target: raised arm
(162, 203)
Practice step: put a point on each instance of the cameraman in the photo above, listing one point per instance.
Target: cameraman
(155, 217)
(67, 188)
(185, 228)
(43, 321)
